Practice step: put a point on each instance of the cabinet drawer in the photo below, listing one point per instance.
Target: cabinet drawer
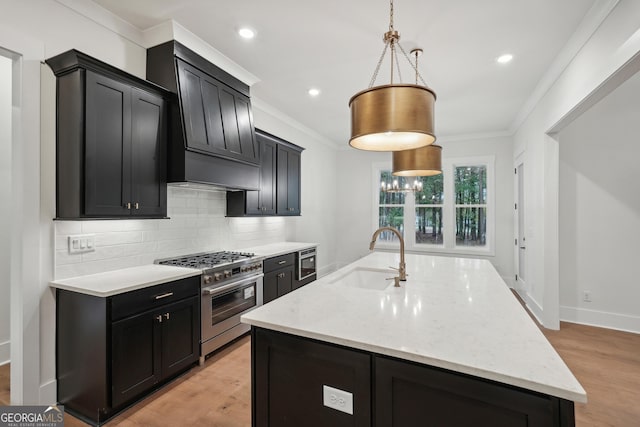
(133, 302)
(281, 261)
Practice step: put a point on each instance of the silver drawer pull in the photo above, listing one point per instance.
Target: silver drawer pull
(168, 294)
(282, 262)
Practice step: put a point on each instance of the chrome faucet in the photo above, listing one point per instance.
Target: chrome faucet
(402, 269)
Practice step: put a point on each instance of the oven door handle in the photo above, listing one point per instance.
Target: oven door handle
(212, 291)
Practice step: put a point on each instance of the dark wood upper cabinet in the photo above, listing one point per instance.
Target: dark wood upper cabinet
(111, 141)
(213, 138)
(288, 181)
(279, 192)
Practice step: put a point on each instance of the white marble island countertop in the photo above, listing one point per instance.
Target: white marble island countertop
(452, 313)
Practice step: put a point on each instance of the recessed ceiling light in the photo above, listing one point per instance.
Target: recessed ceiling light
(314, 92)
(246, 33)
(504, 59)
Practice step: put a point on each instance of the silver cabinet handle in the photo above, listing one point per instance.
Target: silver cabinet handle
(137, 205)
(159, 318)
(282, 262)
(166, 316)
(129, 205)
(523, 247)
(168, 294)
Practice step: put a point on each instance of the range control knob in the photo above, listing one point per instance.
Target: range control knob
(206, 280)
(227, 273)
(217, 276)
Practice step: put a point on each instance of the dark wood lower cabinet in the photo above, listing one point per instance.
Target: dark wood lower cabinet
(288, 378)
(289, 372)
(278, 276)
(112, 351)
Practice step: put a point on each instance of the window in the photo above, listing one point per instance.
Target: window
(451, 212)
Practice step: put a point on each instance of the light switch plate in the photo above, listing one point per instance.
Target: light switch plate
(337, 399)
(81, 243)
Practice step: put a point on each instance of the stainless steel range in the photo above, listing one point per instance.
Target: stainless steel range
(231, 285)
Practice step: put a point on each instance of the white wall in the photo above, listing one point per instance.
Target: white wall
(355, 218)
(615, 43)
(5, 211)
(600, 212)
(317, 223)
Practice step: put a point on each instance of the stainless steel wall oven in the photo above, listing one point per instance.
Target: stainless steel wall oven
(306, 263)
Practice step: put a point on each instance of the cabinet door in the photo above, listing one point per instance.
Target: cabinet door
(405, 393)
(268, 177)
(148, 136)
(270, 287)
(107, 146)
(289, 375)
(288, 181)
(180, 335)
(285, 282)
(135, 351)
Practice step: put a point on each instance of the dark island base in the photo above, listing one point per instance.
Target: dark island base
(289, 372)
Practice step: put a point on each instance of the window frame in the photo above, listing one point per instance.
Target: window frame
(449, 245)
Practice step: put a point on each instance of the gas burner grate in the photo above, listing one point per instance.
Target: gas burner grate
(207, 260)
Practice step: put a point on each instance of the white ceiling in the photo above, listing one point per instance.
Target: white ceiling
(334, 45)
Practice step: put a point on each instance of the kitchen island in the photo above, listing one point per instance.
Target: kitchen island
(450, 346)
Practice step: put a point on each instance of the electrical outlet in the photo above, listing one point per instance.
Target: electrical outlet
(337, 399)
(586, 296)
(81, 243)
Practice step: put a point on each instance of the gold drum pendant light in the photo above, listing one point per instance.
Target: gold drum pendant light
(424, 161)
(392, 117)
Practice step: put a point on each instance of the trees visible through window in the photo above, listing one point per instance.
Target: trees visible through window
(450, 212)
(471, 205)
(429, 204)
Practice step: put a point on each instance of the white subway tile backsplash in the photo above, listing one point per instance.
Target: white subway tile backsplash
(197, 224)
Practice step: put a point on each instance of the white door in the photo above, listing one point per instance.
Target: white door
(521, 238)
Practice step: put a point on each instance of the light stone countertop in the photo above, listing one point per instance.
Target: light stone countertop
(276, 249)
(452, 313)
(127, 279)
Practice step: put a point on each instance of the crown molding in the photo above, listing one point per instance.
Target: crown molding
(590, 23)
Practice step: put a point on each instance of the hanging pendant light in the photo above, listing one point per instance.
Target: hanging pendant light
(392, 117)
(424, 161)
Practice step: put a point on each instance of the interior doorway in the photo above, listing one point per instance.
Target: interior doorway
(6, 88)
(521, 229)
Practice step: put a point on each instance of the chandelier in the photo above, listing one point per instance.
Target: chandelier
(396, 116)
(395, 187)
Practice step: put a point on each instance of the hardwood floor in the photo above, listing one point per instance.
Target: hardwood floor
(5, 396)
(606, 362)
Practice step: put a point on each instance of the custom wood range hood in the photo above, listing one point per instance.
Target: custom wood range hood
(212, 137)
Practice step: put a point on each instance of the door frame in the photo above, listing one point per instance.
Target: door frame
(27, 284)
(519, 286)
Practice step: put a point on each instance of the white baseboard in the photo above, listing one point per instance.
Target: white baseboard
(603, 319)
(48, 393)
(5, 352)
